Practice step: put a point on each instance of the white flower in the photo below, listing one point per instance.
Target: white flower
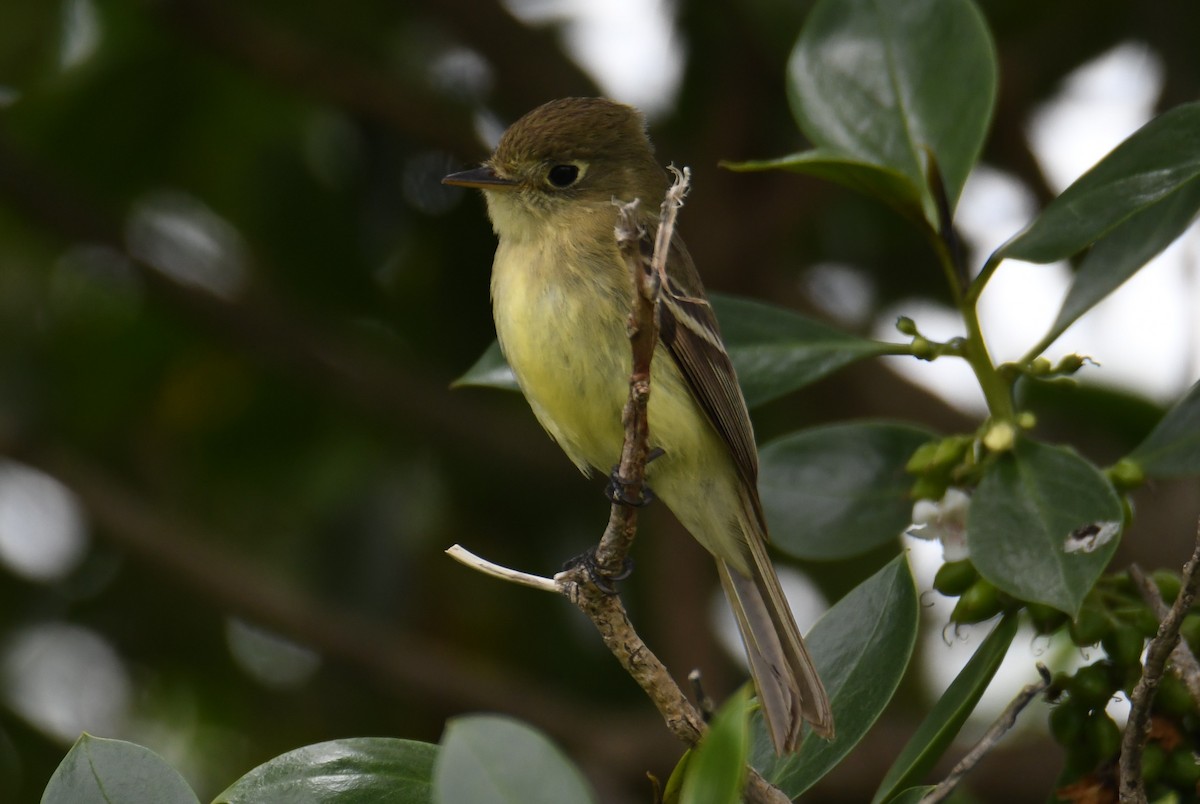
(944, 521)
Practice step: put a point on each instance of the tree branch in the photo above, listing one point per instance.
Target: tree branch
(1132, 788)
(1003, 724)
(1183, 661)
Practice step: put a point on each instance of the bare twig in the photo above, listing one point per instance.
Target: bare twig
(1132, 788)
(993, 736)
(1183, 661)
(464, 556)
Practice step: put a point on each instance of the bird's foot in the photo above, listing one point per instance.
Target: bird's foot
(604, 581)
(620, 493)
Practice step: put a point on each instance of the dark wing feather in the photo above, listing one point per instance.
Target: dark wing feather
(688, 328)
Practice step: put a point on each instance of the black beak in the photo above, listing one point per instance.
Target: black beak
(483, 178)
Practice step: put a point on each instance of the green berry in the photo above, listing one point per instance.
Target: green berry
(1103, 736)
(1124, 645)
(981, 601)
(1189, 630)
(1154, 760)
(1126, 474)
(1168, 584)
(955, 577)
(1091, 626)
(1066, 722)
(1046, 619)
(1172, 696)
(1093, 685)
(1182, 769)
(922, 457)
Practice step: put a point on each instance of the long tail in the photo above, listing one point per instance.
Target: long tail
(789, 689)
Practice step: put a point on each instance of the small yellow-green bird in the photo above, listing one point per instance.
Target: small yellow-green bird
(561, 295)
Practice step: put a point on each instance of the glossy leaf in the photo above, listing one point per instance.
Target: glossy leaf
(1043, 525)
(1173, 447)
(716, 772)
(366, 770)
(1124, 251)
(942, 724)
(774, 351)
(100, 771)
(490, 759)
(884, 184)
(861, 648)
(838, 491)
(883, 83)
(1153, 163)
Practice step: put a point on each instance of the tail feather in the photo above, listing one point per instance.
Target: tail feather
(789, 689)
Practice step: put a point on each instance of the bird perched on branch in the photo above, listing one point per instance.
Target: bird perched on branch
(561, 293)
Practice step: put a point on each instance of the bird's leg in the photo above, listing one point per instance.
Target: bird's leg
(617, 491)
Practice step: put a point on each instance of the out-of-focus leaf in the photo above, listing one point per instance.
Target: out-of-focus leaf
(1152, 164)
(860, 671)
(674, 787)
(1173, 446)
(1043, 525)
(838, 491)
(941, 725)
(489, 759)
(1124, 251)
(912, 795)
(882, 83)
(362, 770)
(491, 370)
(716, 774)
(774, 351)
(100, 771)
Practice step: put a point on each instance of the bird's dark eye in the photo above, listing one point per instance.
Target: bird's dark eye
(563, 175)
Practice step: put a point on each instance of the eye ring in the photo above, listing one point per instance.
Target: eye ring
(563, 176)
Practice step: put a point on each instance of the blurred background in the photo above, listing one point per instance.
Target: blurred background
(233, 296)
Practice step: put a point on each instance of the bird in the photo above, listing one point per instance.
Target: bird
(561, 293)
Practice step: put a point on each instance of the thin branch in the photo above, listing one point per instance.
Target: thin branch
(465, 557)
(1183, 661)
(1132, 788)
(1003, 724)
(605, 609)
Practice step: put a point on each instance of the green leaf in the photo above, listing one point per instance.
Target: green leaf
(838, 491)
(100, 771)
(489, 759)
(1153, 163)
(716, 773)
(884, 184)
(491, 370)
(882, 83)
(674, 786)
(1028, 526)
(377, 770)
(913, 795)
(861, 648)
(941, 725)
(774, 351)
(1121, 253)
(1173, 447)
